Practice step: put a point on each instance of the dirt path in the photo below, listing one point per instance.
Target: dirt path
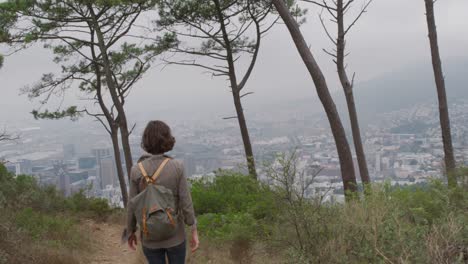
(106, 241)
(108, 248)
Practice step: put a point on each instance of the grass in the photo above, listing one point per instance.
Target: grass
(41, 225)
(253, 222)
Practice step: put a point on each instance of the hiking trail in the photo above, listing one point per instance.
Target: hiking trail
(106, 240)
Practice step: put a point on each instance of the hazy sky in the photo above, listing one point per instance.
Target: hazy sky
(393, 34)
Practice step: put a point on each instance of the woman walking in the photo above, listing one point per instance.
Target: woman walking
(160, 200)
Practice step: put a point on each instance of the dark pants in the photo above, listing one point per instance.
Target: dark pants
(175, 255)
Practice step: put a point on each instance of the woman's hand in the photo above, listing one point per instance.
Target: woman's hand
(194, 242)
(132, 241)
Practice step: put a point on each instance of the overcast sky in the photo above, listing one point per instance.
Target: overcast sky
(392, 35)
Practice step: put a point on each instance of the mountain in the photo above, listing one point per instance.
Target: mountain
(407, 87)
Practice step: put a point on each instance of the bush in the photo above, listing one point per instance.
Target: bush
(89, 206)
(234, 210)
(232, 193)
(46, 227)
(400, 225)
(228, 227)
(24, 192)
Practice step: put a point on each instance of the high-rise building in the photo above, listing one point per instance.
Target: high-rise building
(63, 179)
(104, 154)
(378, 167)
(108, 172)
(24, 167)
(99, 153)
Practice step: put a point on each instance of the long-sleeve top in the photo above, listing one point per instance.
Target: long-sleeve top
(173, 178)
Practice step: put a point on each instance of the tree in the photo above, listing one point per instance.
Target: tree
(218, 32)
(450, 165)
(90, 42)
(344, 151)
(4, 136)
(337, 10)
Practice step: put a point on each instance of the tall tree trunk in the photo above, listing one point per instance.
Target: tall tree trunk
(118, 163)
(114, 95)
(360, 154)
(245, 135)
(236, 89)
(348, 91)
(125, 134)
(113, 124)
(344, 152)
(443, 106)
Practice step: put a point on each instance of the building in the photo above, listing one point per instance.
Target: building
(108, 172)
(63, 179)
(86, 163)
(99, 153)
(24, 167)
(106, 166)
(378, 163)
(78, 175)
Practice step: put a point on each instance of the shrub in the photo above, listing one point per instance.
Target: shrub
(228, 227)
(234, 210)
(24, 192)
(392, 225)
(42, 226)
(232, 193)
(89, 206)
(388, 225)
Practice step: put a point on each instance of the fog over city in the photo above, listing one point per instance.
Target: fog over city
(389, 37)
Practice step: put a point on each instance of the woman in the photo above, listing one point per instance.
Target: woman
(157, 140)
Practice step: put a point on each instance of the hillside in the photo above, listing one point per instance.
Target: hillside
(393, 91)
(410, 86)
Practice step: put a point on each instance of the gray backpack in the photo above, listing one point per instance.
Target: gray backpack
(155, 209)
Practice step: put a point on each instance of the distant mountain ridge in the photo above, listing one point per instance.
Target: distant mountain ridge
(397, 90)
(407, 87)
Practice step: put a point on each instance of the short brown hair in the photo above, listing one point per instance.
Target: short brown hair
(157, 138)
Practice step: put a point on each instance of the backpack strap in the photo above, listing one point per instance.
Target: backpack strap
(155, 176)
(159, 170)
(143, 171)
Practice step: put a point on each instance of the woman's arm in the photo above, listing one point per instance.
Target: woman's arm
(185, 198)
(186, 206)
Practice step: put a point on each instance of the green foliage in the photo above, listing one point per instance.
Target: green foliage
(230, 227)
(423, 205)
(90, 206)
(390, 225)
(71, 112)
(231, 192)
(69, 29)
(41, 224)
(423, 224)
(232, 206)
